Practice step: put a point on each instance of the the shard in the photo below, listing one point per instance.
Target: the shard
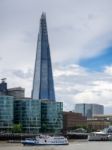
(43, 85)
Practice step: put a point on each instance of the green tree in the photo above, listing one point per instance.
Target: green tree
(17, 128)
(44, 127)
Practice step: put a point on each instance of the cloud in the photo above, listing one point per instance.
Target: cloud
(108, 70)
(77, 29)
(73, 84)
(77, 85)
(22, 74)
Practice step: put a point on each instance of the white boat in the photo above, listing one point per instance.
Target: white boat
(46, 140)
(103, 135)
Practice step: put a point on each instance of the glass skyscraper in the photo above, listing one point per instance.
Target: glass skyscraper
(43, 85)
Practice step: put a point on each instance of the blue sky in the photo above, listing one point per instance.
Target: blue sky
(99, 62)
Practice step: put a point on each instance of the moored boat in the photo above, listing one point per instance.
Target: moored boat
(104, 135)
(46, 140)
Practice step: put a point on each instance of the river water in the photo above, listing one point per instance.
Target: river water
(74, 145)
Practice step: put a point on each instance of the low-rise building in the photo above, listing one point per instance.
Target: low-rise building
(96, 125)
(104, 118)
(72, 120)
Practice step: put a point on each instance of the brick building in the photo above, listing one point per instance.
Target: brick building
(72, 120)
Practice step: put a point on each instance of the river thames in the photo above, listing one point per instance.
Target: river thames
(73, 145)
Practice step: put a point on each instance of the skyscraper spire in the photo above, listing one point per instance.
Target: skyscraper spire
(43, 85)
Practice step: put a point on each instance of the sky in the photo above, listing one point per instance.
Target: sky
(80, 37)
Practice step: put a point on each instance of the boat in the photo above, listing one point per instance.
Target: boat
(46, 140)
(103, 135)
(78, 133)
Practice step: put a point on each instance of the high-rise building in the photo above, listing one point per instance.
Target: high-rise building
(43, 85)
(89, 110)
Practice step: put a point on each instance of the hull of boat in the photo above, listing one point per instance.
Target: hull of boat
(100, 138)
(38, 144)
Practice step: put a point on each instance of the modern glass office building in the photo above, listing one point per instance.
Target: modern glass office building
(89, 110)
(36, 116)
(43, 85)
(51, 116)
(6, 113)
(27, 112)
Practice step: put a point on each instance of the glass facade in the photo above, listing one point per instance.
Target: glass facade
(33, 115)
(6, 112)
(43, 85)
(51, 116)
(28, 113)
(89, 110)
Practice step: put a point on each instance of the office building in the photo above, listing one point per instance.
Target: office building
(89, 110)
(27, 112)
(38, 116)
(43, 85)
(51, 116)
(6, 113)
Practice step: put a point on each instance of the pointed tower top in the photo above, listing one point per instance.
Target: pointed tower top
(43, 16)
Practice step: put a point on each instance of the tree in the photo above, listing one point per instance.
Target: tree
(17, 128)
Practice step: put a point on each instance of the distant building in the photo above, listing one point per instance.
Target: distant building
(6, 113)
(3, 87)
(95, 124)
(27, 112)
(72, 120)
(17, 92)
(89, 110)
(103, 117)
(99, 122)
(51, 116)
